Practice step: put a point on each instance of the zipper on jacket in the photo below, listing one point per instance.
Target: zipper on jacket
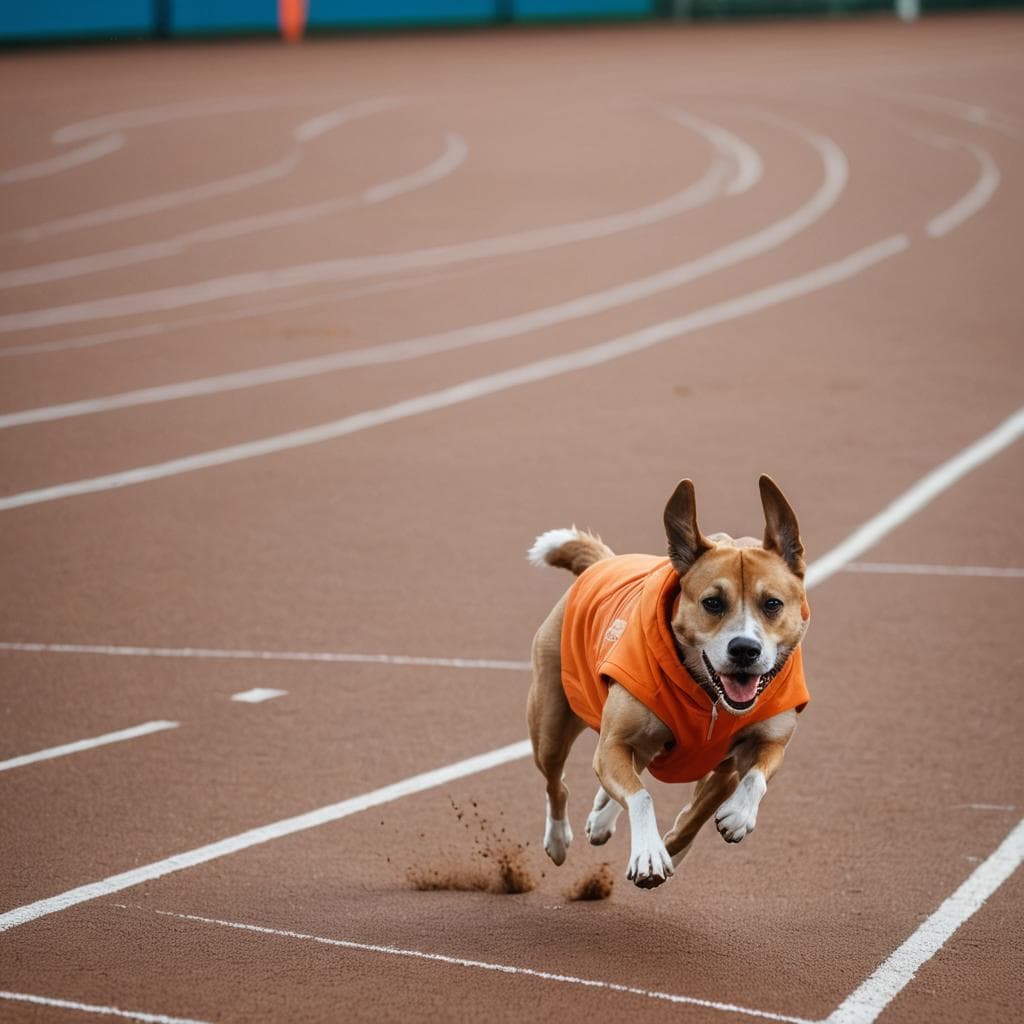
(714, 718)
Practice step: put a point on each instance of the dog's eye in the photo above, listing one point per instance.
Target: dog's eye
(773, 606)
(714, 605)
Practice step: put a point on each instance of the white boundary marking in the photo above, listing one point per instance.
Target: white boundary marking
(342, 657)
(108, 1011)
(65, 161)
(208, 190)
(458, 961)
(354, 268)
(975, 198)
(868, 1001)
(544, 369)
(79, 745)
(265, 833)
(454, 154)
(770, 237)
(816, 573)
(250, 311)
(913, 500)
(258, 695)
(914, 569)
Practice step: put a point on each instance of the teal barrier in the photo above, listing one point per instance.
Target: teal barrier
(25, 20)
(47, 19)
(366, 13)
(193, 17)
(576, 10)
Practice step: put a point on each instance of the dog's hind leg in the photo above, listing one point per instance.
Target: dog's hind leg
(603, 816)
(553, 730)
(709, 793)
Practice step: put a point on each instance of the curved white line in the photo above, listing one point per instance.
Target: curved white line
(454, 154)
(975, 198)
(749, 166)
(353, 268)
(971, 112)
(144, 117)
(163, 200)
(249, 311)
(770, 237)
(494, 383)
(208, 190)
(74, 158)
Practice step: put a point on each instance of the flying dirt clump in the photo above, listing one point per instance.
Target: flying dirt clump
(595, 886)
(497, 865)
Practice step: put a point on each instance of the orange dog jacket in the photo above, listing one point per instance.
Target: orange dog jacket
(617, 626)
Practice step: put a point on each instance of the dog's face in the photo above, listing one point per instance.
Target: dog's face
(742, 608)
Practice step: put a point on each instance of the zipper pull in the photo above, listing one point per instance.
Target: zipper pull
(714, 718)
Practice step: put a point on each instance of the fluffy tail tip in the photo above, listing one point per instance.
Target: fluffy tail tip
(549, 542)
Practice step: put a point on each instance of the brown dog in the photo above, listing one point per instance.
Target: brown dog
(647, 651)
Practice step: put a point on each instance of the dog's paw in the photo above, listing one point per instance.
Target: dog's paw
(736, 818)
(557, 839)
(649, 866)
(601, 823)
(649, 862)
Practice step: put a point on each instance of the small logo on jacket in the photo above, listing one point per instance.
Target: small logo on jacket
(615, 630)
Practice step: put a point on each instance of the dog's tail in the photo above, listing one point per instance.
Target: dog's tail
(571, 549)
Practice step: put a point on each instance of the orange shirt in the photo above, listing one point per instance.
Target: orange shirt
(617, 625)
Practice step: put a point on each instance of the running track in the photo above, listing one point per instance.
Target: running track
(301, 347)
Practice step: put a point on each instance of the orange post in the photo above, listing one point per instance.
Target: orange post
(291, 19)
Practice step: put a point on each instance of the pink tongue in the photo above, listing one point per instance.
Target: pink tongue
(739, 691)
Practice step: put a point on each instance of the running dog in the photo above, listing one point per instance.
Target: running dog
(648, 651)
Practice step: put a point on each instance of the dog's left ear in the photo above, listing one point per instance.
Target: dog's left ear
(781, 530)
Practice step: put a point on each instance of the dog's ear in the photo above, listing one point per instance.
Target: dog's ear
(781, 530)
(685, 541)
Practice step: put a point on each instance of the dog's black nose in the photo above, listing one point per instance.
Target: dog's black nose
(743, 650)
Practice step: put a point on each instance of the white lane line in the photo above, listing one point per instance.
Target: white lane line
(916, 569)
(56, 164)
(265, 833)
(258, 695)
(415, 784)
(913, 500)
(249, 311)
(770, 237)
(208, 190)
(985, 807)
(971, 112)
(458, 961)
(330, 657)
(106, 1011)
(354, 268)
(544, 369)
(749, 166)
(96, 741)
(868, 1001)
(146, 117)
(454, 154)
(975, 198)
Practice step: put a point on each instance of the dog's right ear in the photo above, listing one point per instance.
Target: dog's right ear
(685, 541)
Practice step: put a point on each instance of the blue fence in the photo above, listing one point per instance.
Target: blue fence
(121, 19)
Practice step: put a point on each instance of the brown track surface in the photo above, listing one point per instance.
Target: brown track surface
(408, 538)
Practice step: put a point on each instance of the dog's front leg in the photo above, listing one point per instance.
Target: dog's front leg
(630, 738)
(757, 757)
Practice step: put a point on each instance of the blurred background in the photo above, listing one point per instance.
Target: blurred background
(69, 19)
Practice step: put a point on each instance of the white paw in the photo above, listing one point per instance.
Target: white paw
(601, 823)
(649, 862)
(737, 817)
(649, 866)
(557, 839)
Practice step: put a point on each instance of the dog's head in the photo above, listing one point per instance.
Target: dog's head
(742, 608)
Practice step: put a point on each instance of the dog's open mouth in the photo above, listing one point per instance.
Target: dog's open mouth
(739, 689)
